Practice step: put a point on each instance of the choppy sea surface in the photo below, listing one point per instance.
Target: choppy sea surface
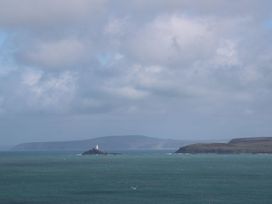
(134, 178)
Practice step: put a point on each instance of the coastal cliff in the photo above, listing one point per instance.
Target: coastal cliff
(235, 146)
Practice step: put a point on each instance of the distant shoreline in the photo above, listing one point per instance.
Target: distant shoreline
(255, 145)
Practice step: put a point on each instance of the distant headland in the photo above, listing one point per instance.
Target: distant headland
(235, 146)
(109, 143)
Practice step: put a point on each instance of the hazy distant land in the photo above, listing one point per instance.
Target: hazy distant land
(128, 142)
(139, 142)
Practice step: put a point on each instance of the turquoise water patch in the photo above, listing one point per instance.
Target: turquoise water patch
(65, 178)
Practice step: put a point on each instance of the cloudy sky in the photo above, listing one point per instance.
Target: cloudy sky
(76, 69)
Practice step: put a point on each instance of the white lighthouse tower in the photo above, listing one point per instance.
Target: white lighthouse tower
(97, 147)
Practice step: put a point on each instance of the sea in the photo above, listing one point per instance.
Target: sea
(134, 178)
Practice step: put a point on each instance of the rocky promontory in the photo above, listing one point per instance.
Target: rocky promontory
(97, 151)
(235, 146)
(94, 151)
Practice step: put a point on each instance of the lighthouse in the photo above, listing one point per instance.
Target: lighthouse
(96, 147)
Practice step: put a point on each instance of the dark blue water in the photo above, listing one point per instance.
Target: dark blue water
(146, 178)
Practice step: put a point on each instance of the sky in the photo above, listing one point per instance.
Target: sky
(181, 69)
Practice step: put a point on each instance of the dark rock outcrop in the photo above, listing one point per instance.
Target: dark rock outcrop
(97, 151)
(94, 151)
(235, 146)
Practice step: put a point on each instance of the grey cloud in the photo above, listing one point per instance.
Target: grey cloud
(62, 53)
(146, 66)
(15, 13)
(35, 91)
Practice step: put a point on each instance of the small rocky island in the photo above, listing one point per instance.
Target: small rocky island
(94, 151)
(235, 146)
(97, 151)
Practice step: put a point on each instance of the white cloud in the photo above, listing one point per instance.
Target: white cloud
(127, 92)
(31, 78)
(116, 27)
(173, 38)
(46, 93)
(226, 54)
